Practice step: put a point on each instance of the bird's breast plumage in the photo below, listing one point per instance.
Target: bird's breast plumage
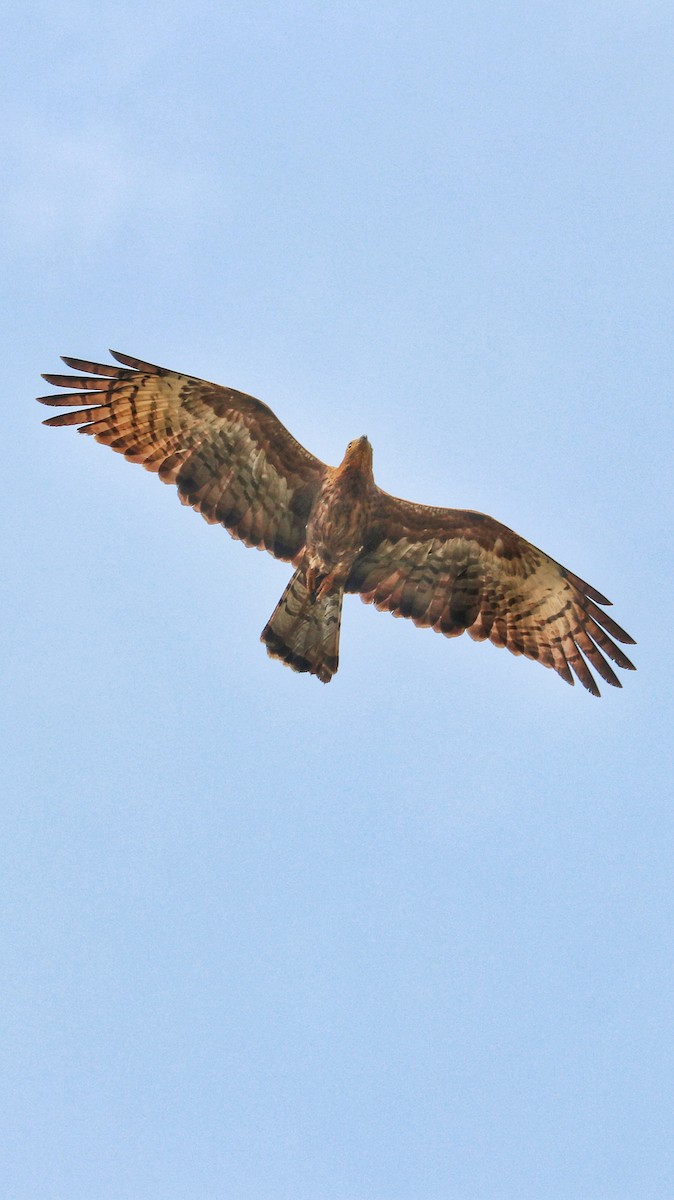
(339, 519)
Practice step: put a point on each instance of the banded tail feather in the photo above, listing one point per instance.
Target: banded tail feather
(303, 630)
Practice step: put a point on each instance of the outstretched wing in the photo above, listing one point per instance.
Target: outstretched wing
(455, 571)
(230, 458)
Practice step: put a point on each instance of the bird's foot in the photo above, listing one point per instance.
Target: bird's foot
(325, 585)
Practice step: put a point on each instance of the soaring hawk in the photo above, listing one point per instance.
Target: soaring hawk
(235, 463)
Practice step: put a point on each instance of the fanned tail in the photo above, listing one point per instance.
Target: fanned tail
(303, 632)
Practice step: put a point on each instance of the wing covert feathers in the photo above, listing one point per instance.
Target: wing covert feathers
(229, 456)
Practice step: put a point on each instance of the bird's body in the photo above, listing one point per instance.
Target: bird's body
(339, 519)
(448, 569)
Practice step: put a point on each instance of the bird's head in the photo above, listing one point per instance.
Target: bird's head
(358, 456)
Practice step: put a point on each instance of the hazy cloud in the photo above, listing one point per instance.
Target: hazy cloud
(84, 185)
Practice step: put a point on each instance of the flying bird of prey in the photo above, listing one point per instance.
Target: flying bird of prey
(234, 462)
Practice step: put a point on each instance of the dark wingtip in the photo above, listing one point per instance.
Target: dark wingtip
(138, 364)
(127, 360)
(595, 595)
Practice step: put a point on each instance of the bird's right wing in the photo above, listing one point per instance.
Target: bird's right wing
(227, 453)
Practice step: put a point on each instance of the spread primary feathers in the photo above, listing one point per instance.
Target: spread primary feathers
(235, 463)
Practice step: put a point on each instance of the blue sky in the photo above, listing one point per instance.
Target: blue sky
(409, 936)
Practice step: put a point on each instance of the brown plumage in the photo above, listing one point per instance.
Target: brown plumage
(234, 462)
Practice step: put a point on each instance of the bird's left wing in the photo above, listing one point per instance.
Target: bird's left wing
(453, 571)
(227, 453)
